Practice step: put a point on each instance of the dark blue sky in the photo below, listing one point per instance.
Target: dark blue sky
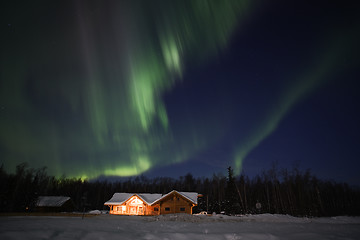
(275, 47)
(121, 88)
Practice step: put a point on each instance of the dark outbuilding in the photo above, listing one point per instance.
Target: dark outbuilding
(54, 204)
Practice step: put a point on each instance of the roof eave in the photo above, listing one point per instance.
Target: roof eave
(174, 191)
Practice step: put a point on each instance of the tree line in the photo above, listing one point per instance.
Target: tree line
(293, 192)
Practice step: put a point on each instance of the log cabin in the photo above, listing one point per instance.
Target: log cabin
(152, 203)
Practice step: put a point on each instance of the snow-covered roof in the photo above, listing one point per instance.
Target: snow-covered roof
(120, 198)
(51, 201)
(149, 198)
(191, 196)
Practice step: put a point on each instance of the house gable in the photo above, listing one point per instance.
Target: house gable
(189, 196)
(133, 204)
(175, 202)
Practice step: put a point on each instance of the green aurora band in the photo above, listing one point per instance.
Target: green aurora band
(317, 75)
(118, 122)
(84, 94)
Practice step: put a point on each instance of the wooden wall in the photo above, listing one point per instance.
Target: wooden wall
(148, 210)
(175, 203)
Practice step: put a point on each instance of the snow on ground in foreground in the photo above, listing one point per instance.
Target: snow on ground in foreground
(178, 227)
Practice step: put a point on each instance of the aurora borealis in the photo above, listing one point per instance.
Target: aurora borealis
(122, 88)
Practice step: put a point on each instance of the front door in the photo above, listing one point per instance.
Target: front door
(133, 211)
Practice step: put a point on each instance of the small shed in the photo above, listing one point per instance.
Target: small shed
(54, 204)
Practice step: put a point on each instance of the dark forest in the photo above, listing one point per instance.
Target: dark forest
(293, 192)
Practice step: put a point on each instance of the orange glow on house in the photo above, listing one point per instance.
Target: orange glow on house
(135, 207)
(152, 204)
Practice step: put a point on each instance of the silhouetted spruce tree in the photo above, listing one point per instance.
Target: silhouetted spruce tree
(231, 197)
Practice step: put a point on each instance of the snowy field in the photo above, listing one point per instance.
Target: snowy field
(107, 227)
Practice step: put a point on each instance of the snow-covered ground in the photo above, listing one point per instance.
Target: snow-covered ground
(107, 227)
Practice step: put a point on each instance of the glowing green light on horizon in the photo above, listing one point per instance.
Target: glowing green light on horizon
(142, 164)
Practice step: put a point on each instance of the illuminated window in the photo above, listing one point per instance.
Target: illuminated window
(123, 208)
(135, 201)
(167, 209)
(182, 209)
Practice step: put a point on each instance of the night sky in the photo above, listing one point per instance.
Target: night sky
(163, 88)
